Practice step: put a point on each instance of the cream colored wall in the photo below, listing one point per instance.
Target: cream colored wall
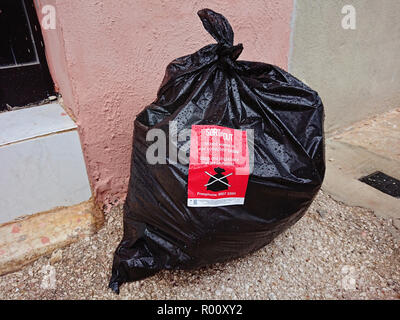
(356, 72)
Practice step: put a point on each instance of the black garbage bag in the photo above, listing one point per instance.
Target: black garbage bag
(184, 215)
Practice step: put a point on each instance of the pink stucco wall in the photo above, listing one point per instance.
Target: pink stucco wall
(108, 58)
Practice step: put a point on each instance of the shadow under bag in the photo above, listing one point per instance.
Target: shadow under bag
(212, 89)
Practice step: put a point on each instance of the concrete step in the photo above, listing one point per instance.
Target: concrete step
(24, 240)
(366, 147)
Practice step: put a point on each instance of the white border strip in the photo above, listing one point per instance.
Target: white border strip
(201, 202)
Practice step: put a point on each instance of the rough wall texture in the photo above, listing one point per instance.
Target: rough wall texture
(356, 72)
(108, 59)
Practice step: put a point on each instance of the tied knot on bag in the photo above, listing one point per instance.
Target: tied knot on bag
(232, 52)
(220, 29)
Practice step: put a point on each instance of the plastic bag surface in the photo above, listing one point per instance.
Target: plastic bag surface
(212, 88)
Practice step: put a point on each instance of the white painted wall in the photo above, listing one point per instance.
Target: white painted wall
(42, 165)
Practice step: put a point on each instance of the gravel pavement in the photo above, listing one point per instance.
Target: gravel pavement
(333, 252)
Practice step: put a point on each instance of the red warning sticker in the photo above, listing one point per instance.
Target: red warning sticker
(218, 166)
